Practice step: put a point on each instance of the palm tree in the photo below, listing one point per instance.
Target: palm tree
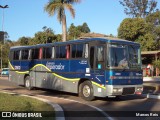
(59, 6)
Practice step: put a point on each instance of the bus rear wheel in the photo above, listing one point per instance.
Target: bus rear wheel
(28, 83)
(86, 91)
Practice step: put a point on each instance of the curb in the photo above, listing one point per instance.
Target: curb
(58, 109)
(151, 96)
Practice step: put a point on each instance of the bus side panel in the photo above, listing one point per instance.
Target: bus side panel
(36, 73)
(46, 79)
(26, 65)
(15, 74)
(47, 74)
(79, 66)
(99, 91)
(69, 86)
(78, 70)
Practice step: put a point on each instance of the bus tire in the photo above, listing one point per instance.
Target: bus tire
(28, 83)
(86, 91)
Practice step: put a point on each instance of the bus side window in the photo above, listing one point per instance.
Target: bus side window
(16, 55)
(68, 51)
(92, 57)
(77, 50)
(25, 54)
(11, 54)
(32, 54)
(47, 53)
(35, 53)
(57, 51)
(73, 51)
(62, 52)
(44, 53)
(100, 57)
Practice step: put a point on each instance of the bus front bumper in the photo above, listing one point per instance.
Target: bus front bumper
(115, 90)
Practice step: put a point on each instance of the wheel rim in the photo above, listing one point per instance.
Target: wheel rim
(27, 83)
(86, 91)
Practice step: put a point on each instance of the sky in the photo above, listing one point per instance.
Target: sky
(26, 17)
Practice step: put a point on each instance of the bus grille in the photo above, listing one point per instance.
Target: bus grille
(129, 90)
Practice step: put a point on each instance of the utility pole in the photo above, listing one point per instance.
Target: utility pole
(3, 41)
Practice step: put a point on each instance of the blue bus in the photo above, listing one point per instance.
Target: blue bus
(89, 67)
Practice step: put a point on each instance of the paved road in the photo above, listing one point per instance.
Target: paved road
(71, 103)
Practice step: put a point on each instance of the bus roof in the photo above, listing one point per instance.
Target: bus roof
(83, 40)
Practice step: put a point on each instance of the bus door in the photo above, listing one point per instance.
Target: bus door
(16, 55)
(36, 67)
(97, 63)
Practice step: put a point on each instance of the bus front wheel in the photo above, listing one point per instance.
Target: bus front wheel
(28, 83)
(86, 91)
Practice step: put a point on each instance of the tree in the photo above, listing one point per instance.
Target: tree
(45, 36)
(73, 32)
(147, 42)
(132, 28)
(59, 6)
(142, 30)
(84, 28)
(139, 8)
(154, 20)
(24, 40)
(156, 63)
(76, 31)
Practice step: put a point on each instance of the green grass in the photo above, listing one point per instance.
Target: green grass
(16, 103)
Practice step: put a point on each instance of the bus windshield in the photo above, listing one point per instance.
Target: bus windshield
(124, 56)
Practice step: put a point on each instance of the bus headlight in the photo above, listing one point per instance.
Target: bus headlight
(117, 90)
(139, 89)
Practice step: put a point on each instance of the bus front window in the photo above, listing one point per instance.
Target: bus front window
(124, 56)
(134, 56)
(118, 56)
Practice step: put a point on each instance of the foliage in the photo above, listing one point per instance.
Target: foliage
(132, 28)
(142, 30)
(45, 36)
(157, 63)
(152, 18)
(138, 8)
(24, 40)
(75, 32)
(147, 42)
(5, 51)
(59, 6)
(84, 28)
